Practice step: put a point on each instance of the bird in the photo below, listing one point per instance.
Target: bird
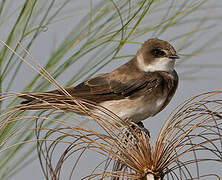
(135, 91)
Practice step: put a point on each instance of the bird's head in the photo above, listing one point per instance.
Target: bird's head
(156, 55)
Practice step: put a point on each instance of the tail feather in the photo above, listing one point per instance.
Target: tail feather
(42, 96)
(45, 100)
(53, 100)
(29, 97)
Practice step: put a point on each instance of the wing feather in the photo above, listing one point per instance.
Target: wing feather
(105, 87)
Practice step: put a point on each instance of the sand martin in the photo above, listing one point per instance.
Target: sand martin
(135, 91)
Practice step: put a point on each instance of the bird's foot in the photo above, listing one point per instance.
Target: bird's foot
(142, 128)
(139, 127)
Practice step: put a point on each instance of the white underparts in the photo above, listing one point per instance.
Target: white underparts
(159, 64)
(136, 109)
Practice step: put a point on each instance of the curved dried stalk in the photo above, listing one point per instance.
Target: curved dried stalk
(194, 127)
(191, 136)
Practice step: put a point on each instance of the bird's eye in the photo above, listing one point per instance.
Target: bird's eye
(158, 52)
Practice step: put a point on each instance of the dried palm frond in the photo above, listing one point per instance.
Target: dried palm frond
(190, 137)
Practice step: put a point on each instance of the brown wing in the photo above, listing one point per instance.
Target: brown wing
(107, 87)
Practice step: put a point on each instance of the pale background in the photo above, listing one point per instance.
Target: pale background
(205, 79)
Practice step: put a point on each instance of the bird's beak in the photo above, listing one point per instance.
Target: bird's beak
(175, 56)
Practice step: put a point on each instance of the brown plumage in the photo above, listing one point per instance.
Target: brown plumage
(130, 91)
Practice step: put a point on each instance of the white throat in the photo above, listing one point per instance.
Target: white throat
(162, 64)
